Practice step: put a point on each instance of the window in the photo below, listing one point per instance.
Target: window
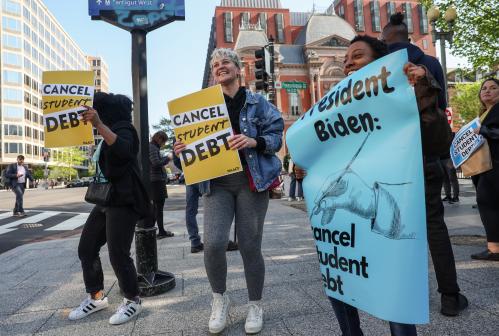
(14, 95)
(262, 21)
(295, 103)
(279, 27)
(14, 130)
(423, 20)
(341, 11)
(408, 17)
(12, 59)
(12, 77)
(35, 134)
(11, 24)
(11, 41)
(27, 30)
(13, 148)
(375, 19)
(390, 10)
(245, 20)
(13, 112)
(26, 13)
(358, 9)
(228, 27)
(27, 97)
(28, 149)
(27, 114)
(11, 7)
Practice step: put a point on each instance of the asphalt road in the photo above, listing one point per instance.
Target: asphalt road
(55, 214)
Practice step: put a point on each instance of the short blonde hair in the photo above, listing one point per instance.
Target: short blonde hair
(230, 54)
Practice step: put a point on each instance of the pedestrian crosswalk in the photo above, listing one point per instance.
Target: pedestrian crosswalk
(50, 220)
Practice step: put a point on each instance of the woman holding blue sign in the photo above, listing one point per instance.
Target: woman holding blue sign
(487, 183)
(241, 196)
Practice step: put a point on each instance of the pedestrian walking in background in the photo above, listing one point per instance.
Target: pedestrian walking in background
(487, 183)
(295, 187)
(436, 139)
(18, 175)
(113, 222)
(158, 180)
(258, 128)
(451, 184)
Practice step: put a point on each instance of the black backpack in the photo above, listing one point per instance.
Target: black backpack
(5, 180)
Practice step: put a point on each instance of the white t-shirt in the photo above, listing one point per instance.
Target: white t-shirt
(21, 170)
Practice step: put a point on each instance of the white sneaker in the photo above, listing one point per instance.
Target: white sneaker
(299, 199)
(254, 320)
(127, 311)
(87, 307)
(291, 199)
(219, 312)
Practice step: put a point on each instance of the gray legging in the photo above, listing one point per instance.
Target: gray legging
(231, 196)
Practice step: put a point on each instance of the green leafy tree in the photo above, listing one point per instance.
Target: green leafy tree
(466, 101)
(165, 125)
(68, 158)
(476, 34)
(38, 173)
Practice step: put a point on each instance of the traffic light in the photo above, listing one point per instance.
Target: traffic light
(262, 69)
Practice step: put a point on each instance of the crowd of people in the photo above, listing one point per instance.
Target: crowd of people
(242, 198)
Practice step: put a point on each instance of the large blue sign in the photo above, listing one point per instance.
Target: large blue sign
(95, 6)
(466, 142)
(364, 189)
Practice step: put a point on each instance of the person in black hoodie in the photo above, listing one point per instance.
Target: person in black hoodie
(114, 223)
(436, 137)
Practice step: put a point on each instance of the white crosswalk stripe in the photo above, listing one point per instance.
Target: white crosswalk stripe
(70, 224)
(66, 225)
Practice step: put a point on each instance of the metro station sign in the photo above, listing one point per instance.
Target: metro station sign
(131, 15)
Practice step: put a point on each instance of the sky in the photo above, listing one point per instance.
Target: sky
(176, 53)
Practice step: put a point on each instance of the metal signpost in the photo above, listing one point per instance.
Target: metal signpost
(139, 18)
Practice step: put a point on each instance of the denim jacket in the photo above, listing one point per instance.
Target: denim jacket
(259, 118)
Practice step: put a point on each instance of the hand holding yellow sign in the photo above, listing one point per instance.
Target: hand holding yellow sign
(63, 94)
(201, 121)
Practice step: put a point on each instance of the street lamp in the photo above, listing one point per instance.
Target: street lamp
(450, 16)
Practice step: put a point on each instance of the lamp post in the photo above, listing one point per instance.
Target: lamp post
(450, 16)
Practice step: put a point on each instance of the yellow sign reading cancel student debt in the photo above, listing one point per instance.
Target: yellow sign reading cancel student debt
(63, 94)
(201, 121)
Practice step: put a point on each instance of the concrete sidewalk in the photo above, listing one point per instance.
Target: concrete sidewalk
(41, 282)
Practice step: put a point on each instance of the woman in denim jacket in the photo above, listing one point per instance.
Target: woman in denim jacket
(258, 128)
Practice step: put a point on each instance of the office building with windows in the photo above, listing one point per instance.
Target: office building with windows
(32, 41)
(100, 69)
(309, 46)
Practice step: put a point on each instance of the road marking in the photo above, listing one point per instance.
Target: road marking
(6, 215)
(27, 220)
(70, 224)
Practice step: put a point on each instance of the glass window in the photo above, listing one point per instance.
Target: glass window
(14, 95)
(12, 59)
(27, 114)
(279, 27)
(341, 11)
(408, 17)
(13, 130)
(11, 24)
(262, 20)
(390, 10)
(228, 27)
(11, 7)
(295, 103)
(13, 111)
(26, 13)
(375, 18)
(11, 41)
(245, 19)
(13, 148)
(423, 20)
(27, 30)
(358, 9)
(12, 77)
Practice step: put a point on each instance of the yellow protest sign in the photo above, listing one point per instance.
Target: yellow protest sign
(201, 121)
(63, 94)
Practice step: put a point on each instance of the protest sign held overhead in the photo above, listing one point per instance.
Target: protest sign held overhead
(63, 94)
(364, 189)
(201, 121)
(466, 142)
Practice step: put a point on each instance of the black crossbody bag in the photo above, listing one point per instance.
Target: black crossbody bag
(99, 193)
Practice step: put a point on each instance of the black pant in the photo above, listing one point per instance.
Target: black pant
(116, 226)
(158, 193)
(487, 195)
(450, 179)
(438, 236)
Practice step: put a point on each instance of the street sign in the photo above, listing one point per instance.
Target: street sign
(291, 90)
(448, 113)
(294, 85)
(145, 15)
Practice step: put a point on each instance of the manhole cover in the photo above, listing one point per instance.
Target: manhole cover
(469, 240)
(31, 225)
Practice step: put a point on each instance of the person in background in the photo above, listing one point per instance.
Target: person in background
(451, 184)
(242, 196)
(158, 180)
(487, 183)
(19, 175)
(436, 142)
(113, 223)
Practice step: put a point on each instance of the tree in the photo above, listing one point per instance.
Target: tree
(466, 101)
(165, 125)
(475, 31)
(67, 158)
(38, 173)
